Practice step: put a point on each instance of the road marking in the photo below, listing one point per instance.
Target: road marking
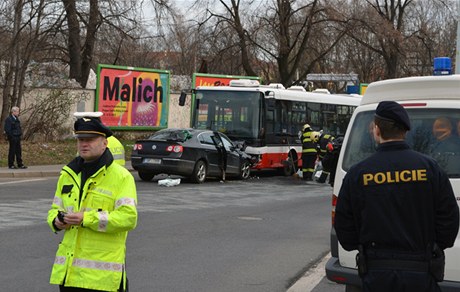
(311, 278)
(21, 181)
(249, 218)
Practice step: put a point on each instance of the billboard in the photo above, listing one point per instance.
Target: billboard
(202, 79)
(132, 98)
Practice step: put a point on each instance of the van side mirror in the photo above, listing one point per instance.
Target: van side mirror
(182, 98)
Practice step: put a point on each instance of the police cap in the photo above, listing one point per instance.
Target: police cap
(90, 127)
(393, 111)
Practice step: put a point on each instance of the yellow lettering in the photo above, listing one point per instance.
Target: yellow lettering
(367, 177)
(405, 175)
(395, 176)
(421, 175)
(389, 178)
(379, 178)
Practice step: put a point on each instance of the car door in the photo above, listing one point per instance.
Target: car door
(233, 157)
(212, 155)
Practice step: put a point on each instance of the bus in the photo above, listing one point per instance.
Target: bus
(268, 118)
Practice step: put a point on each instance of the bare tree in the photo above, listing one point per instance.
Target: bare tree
(385, 22)
(26, 37)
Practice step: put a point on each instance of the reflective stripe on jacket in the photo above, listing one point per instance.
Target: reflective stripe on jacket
(308, 144)
(92, 256)
(117, 150)
(322, 143)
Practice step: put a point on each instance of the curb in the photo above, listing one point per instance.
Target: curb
(29, 174)
(19, 173)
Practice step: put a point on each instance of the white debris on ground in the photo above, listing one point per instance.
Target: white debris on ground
(169, 182)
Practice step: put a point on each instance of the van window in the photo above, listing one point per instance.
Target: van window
(434, 132)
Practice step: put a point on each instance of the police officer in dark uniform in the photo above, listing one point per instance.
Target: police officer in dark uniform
(398, 209)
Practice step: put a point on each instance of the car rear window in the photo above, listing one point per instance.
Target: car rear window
(434, 132)
(172, 135)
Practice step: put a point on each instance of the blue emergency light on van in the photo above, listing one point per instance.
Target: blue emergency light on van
(442, 66)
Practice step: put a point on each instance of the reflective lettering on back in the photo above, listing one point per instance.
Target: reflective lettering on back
(397, 176)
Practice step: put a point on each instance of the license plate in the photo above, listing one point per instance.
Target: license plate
(152, 160)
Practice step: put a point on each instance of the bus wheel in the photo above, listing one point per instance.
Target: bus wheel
(290, 165)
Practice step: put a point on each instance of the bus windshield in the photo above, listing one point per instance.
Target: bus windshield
(235, 113)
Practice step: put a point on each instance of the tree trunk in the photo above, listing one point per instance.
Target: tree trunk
(73, 41)
(10, 99)
(88, 49)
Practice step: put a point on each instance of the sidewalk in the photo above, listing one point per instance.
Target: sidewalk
(39, 171)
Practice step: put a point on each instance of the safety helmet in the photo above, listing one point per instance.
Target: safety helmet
(305, 127)
(314, 136)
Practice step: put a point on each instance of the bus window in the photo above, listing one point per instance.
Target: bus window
(235, 113)
(314, 115)
(299, 116)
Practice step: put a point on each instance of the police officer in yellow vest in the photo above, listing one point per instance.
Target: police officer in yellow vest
(116, 148)
(397, 208)
(95, 206)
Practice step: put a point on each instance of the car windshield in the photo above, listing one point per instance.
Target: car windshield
(434, 132)
(178, 135)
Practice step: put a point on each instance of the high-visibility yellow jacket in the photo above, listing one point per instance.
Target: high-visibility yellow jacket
(324, 139)
(117, 150)
(92, 256)
(309, 142)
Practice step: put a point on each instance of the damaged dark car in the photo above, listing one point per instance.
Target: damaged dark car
(191, 153)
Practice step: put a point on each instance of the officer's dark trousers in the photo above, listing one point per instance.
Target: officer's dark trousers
(15, 150)
(399, 281)
(308, 165)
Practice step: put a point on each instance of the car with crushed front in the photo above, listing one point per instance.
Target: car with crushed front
(191, 153)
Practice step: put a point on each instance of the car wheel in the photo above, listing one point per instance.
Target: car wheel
(245, 170)
(146, 176)
(199, 172)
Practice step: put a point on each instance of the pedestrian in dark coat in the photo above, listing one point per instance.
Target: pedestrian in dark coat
(13, 133)
(398, 209)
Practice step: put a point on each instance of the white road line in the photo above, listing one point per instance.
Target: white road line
(311, 278)
(21, 181)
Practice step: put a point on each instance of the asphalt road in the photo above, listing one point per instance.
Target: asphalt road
(254, 235)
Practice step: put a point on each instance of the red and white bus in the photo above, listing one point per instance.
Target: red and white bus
(268, 118)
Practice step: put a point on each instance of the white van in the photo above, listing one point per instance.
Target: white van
(426, 99)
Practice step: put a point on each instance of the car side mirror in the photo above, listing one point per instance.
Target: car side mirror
(182, 98)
